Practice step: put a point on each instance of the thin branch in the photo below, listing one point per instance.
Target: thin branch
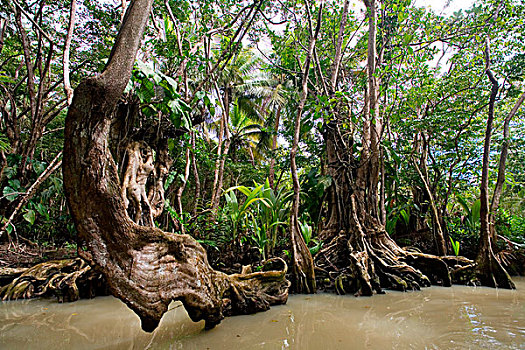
(54, 165)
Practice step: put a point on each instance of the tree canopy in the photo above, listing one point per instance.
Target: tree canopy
(369, 145)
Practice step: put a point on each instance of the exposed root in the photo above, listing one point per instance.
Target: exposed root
(8, 274)
(365, 260)
(68, 280)
(252, 292)
(490, 272)
(303, 270)
(139, 167)
(433, 267)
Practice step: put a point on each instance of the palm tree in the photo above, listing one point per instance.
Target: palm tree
(247, 132)
(240, 87)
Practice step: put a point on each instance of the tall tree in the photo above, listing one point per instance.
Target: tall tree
(144, 267)
(361, 254)
(303, 264)
(490, 270)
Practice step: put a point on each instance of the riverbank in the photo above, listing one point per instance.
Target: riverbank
(459, 317)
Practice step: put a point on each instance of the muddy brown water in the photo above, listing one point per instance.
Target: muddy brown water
(434, 318)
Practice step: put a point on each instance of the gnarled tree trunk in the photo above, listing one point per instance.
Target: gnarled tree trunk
(144, 266)
(359, 256)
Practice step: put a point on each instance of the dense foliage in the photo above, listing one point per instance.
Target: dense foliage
(222, 79)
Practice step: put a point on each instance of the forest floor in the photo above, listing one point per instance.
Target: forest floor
(25, 255)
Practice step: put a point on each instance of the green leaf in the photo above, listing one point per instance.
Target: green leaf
(168, 25)
(30, 216)
(199, 95)
(475, 211)
(9, 228)
(144, 68)
(39, 167)
(15, 184)
(405, 216)
(9, 193)
(172, 83)
(455, 246)
(7, 79)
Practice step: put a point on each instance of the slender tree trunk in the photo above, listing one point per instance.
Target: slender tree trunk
(124, 6)
(31, 89)
(3, 27)
(145, 267)
(35, 85)
(303, 266)
(181, 188)
(225, 151)
(222, 150)
(501, 168)
(490, 271)
(382, 193)
(51, 168)
(439, 239)
(67, 45)
(271, 175)
(3, 163)
(336, 65)
(368, 171)
(195, 175)
(217, 163)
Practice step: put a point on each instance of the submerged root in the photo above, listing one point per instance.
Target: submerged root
(491, 273)
(68, 280)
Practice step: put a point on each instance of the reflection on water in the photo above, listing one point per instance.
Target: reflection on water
(435, 318)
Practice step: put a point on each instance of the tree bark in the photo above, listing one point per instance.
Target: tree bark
(225, 149)
(222, 150)
(271, 172)
(336, 65)
(439, 239)
(182, 186)
(163, 164)
(358, 255)
(303, 280)
(489, 270)
(144, 266)
(67, 45)
(197, 201)
(3, 27)
(138, 170)
(501, 168)
(382, 193)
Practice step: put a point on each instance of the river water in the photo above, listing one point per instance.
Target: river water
(434, 318)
